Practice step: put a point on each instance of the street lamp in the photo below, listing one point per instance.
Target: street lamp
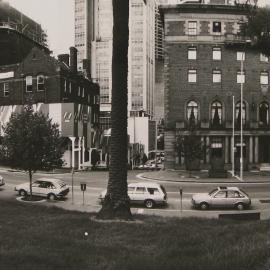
(241, 109)
(241, 114)
(232, 150)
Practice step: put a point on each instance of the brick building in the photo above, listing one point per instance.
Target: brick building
(28, 74)
(203, 57)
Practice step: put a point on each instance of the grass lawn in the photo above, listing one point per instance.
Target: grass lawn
(36, 237)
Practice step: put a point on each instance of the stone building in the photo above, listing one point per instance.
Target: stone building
(206, 64)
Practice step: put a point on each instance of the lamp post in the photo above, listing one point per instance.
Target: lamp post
(247, 41)
(232, 155)
(241, 114)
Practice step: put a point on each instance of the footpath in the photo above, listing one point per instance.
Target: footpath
(202, 177)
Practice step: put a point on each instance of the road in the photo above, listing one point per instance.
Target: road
(97, 181)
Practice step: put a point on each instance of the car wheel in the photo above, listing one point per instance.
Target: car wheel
(204, 206)
(240, 206)
(149, 204)
(22, 193)
(51, 197)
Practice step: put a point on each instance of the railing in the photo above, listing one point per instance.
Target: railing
(19, 28)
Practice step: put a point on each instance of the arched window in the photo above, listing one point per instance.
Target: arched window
(238, 113)
(192, 111)
(216, 113)
(264, 114)
(40, 82)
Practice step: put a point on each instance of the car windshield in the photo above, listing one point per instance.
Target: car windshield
(244, 192)
(163, 189)
(213, 191)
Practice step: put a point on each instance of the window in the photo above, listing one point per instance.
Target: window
(263, 114)
(264, 78)
(264, 58)
(140, 190)
(240, 56)
(6, 89)
(131, 189)
(216, 76)
(238, 113)
(65, 85)
(192, 111)
(40, 83)
(192, 53)
(216, 113)
(67, 116)
(192, 75)
(29, 83)
(221, 194)
(192, 28)
(216, 53)
(241, 77)
(69, 86)
(153, 191)
(216, 27)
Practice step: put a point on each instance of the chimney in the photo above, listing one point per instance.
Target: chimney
(73, 59)
(64, 58)
(86, 68)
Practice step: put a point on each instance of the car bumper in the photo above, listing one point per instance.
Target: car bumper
(63, 193)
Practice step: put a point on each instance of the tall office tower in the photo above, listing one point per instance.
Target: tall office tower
(102, 58)
(141, 55)
(84, 29)
(141, 71)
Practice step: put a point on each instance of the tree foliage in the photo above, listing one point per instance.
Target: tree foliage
(31, 142)
(258, 28)
(190, 147)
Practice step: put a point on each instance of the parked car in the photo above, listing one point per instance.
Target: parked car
(2, 181)
(222, 197)
(145, 193)
(45, 187)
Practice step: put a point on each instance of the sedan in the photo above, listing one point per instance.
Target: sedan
(44, 187)
(222, 197)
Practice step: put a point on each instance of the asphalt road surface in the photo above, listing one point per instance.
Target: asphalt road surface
(96, 181)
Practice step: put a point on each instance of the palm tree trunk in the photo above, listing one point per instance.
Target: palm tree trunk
(30, 183)
(116, 203)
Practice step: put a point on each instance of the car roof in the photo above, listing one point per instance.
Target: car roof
(53, 180)
(144, 184)
(228, 188)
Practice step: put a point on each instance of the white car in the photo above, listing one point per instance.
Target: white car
(45, 187)
(2, 181)
(146, 193)
(222, 197)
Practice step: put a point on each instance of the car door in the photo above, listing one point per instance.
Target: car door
(139, 194)
(232, 197)
(131, 191)
(219, 199)
(43, 188)
(36, 188)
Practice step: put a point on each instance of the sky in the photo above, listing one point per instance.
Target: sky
(57, 19)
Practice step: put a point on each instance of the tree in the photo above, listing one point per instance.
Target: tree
(95, 158)
(116, 202)
(31, 142)
(258, 29)
(190, 147)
